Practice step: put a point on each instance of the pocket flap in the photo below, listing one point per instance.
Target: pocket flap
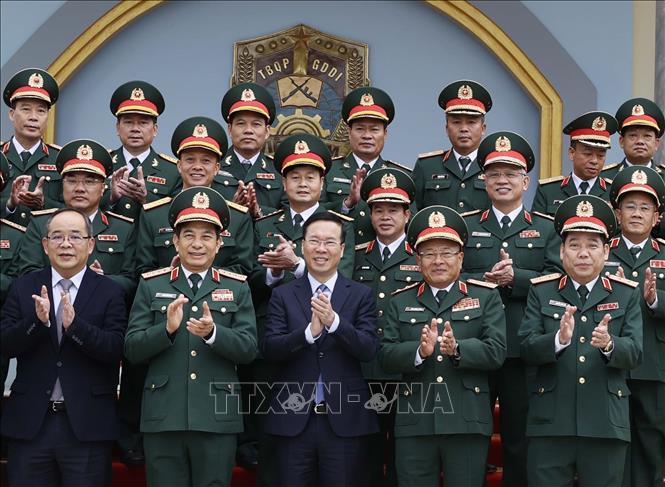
(529, 243)
(466, 314)
(109, 246)
(479, 184)
(475, 384)
(160, 305)
(614, 314)
(413, 318)
(553, 311)
(163, 240)
(437, 184)
(618, 388)
(156, 381)
(268, 184)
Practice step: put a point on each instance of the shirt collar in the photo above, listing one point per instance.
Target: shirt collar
(251, 159)
(141, 157)
(92, 216)
(648, 164)
(630, 244)
(437, 289)
(393, 246)
(512, 215)
(76, 278)
(473, 155)
(360, 162)
(189, 273)
(589, 285)
(304, 214)
(19, 148)
(578, 181)
(330, 283)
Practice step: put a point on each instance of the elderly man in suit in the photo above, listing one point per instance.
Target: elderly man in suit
(65, 325)
(320, 328)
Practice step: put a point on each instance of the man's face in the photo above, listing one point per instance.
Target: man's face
(639, 143)
(322, 248)
(249, 132)
(29, 118)
(587, 161)
(136, 131)
(389, 220)
(637, 215)
(583, 255)
(68, 258)
(505, 183)
(465, 132)
(197, 167)
(440, 262)
(303, 185)
(367, 137)
(82, 191)
(197, 244)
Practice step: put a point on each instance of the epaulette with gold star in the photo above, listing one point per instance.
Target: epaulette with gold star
(166, 157)
(553, 179)
(363, 246)
(470, 213)
(120, 217)
(610, 166)
(343, 217)
(237, 207)
(431, 154)
(399, 166)
(156, 203)
(232, 275)
(18, 227)
(274, 213)
(488, 285)
(543, 215)
(546, 278)
(43, 212)
(410, 286)
(337, 158)
(156, 272)
(623, 280)
(661, 240)
(55, 146)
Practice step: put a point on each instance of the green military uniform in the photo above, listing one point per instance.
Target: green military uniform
(191, 397)
(555, 190)
(442, 414)
(578, 418)
(647, 380)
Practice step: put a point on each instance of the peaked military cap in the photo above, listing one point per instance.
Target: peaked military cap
(248, 97)
(640, 179)
(368, 102)
(4, 170)
(506, 148)
(465, 97)
(302, 150)
(84, 155)
(585, 213)
(137, 97)
(200, 132)
(388, 185)
(31, 83)
(199, 204)
(640, 112)
(437, 222)
(593, 129)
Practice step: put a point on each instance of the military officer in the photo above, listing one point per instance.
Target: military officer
(193, 324)
(453, 177)
(589, 140)
(638, 195)
(140, 175)
(385, 264)
(443, 335)
(508, 246)
(247, 175)
(34, 182)
(199, 143)
(582, 332)
(368, 112)
(83, 164)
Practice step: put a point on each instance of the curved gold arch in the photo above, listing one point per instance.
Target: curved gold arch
(478, 24)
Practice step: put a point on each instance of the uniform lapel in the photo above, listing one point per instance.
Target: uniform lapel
(286, 228)
(231, 164)
(491, 224)
(569, 188)
(400, 255)
(569, 293)
(149, 166)
(596, 189)
(452, 297)
(99, 223)
(453, 166)
(374, 256)
(426, 298)
(597, 294)
(621, 251)
(304, 296)
(474, 169)
(179, 282)
(208, 284)
(13, 157)
(349, 166)
(647, 253)
(39, 154)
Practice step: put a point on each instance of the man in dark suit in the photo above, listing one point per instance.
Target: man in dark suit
(320, 327)
(60, 416)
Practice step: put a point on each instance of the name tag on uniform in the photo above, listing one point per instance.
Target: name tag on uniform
(611, 263)
(553, 302)
(165, 230)
(658, 264)
(530, 234)
(5, 244)
(166, 295)
(107, 238)
(466, 303)
(406, 267)
(47, 167)
(222, 295)
(413, 308)
(439, 176)
(365, 267)
(557, 202)
(607, 306)
(265, 175)
(481, 234)
(342, 180)
(224, 173)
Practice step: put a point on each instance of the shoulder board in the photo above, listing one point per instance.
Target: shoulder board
(543, 215)
(662, 166)
(55, 146)
(623, 280)
(168, 158)
(608, 180)
(469, 213)
(236, 206)
(661, 240)
(120, 217)
(343, 217)
(13, 225)
(551, 180)
(400, 166)
(410, 286)
(363, 246)
(274, 213)
(476, 282)
(232, 275)
(610, 166)
(432, 153)
(337, 158)
(156, 272)
(43, 212)
(547, 278)
(156, 203)
(269, 156)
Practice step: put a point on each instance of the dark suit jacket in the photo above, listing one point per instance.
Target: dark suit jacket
(86, 360)
(336, 356)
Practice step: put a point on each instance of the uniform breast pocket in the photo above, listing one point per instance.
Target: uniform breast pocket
(162, 240)
(268, 184)
(109, 248)
(532, 252)
(155, 406)
(479, 184)
(228, 242)
(157, 186)
(364, 275)
(158, 308)
(227, 400)
(466, 323)
(411, 323)
(222, 311)
(268, 243)
(542, 400)
(338, 188)
(406, 277)
(225, 180)
(6, 253)
(618, 402)
(552, 207)
(437, 184)
(616, 319)
(552, 317)
(476, 398)
(481, 253)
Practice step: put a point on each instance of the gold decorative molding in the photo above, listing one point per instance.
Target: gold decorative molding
(527, 74)
(88, 43)
(644, 48)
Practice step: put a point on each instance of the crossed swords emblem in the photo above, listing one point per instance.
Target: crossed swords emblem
(302, 89)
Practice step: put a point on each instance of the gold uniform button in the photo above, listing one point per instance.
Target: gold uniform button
(48, 178)
(155, 190)
(635, 274)
(476, 390)
(661, 276)
(167, 242)
(226, 183)
(436, 187)
(582, 358)
(530, 245)
(294, 246)
(362, 278)
(23, 214)
(110, 250)
(466, 318)
(504, 244)
(413, 320)
(195, 308)
(270, 246)
(439, 339)
(607, 273)
(582, 380)
(268, 186)
(620, 393)
(478, 245)
(461, 204)
(583, 318)
(406, 393)
(439, 358)
(408, 278)
(379, 331)
(382, 278)
(152, 386)
(582, 339)
(462, 185)
(128, 206)
(223, 309)
(439, 379)
(380, 313)
(339, 191)
(382, 295)
(362, 213)
(193, 353)
(360, 232)
(163, 308)
(192, 376)
(439, 320)
(556, 316)
(541, 390)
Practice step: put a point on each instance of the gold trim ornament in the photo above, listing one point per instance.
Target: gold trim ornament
(84, 153)
(200, 131)
(247, 95)
(637, 110)
(36, 81)
(599, 124)
(201, 201)
(388, 181)
(639, 177)
(367, 100)
(465, 92)
(301, 147)
(137, 95)
(436, 220)
(584, 209)
(502, 144)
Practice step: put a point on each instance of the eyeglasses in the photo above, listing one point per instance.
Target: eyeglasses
(329, 244)
(87, 182)
(510, 175)
(447, 255)
(633, 208)
(74, 239)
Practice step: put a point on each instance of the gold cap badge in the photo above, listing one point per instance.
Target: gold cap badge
(301, 147)
(502, 144)
(584, 209)
(638, 110)
(437, 220)
(465, 92)
(639, 177)
(388, 181)
(84, 153)
(247, 95)
(599, 124)
(367, 100)
(200, 131)
(201, 201)
(137, 95)
(36, 81)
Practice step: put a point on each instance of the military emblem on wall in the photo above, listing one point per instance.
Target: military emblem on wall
(308, 73)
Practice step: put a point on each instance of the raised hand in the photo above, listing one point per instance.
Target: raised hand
(567, 325)
(600, 337)
(174, 313)
(34, 199)
(117, 188)
(502, 272)
(42, 305)
(283, 257)
(19, 186)
(322, 307)
(241, 197)
(68, 312)
(448, 343)
(316, 326)
(429, 335)
(649, 286)
(203, 326)
(354, 191)
(620, 272)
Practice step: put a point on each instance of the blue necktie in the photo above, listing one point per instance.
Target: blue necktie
(320, 396)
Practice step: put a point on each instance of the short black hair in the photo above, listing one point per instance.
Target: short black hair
(88, 223)
(325, 216)
(385, 123)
